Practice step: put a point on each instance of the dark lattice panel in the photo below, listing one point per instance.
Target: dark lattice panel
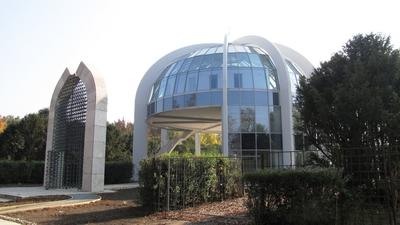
(65, 160)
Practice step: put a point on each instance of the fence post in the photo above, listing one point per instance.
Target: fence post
(168, 181)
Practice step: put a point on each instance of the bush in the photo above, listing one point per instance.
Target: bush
(191, 180)
(31, 172)
(293, 196)
(117, 172)
(27, 172)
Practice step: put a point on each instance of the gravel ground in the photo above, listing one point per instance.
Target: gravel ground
(123, 208)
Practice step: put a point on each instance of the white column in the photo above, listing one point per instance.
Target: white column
(224, 110)
(197, 142)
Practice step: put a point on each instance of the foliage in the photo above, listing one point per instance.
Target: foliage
(119, 141)
(3, 124)
(191, 180)
(31, 172)
(25, 139)
(353, 99)
(293, 196)
(117, 172)
(27, 172)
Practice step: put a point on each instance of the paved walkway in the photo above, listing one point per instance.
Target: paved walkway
(77, 197)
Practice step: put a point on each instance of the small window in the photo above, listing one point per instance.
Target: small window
(237, 80)
(204, 77)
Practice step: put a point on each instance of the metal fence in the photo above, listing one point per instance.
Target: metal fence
(374, 179)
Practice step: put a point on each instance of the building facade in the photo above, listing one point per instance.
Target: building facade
(243, 90)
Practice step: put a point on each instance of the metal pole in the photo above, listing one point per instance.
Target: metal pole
(225, 149)
(168, 181)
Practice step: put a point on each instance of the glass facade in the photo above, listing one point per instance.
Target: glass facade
(254, 115)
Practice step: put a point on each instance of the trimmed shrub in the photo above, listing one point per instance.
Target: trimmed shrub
(191, 180)
(306, 196)
(117, 172)
(27, 172)
(31, 172)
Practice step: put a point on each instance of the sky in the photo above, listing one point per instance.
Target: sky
(122, 39)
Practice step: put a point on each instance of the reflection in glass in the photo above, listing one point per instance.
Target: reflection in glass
(262, 122)
(248, 141)
(234, 119)
(255, 60)
(234, 141)
(275, 119)
(263, 141)
(247, 119)
(246, 78)
(162, 88)
(247, 98)
(216, 98)
(203, 99)
(204, 80)
(170, 86)
(167, 104)
(191, 82)
(180, 83)
(178, 101)
(276, 141)
(261, 98)
(190, 100)
(260, 80)
(233, 98)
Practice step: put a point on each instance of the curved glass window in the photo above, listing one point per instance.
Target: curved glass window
(191, 82)
(180, 83)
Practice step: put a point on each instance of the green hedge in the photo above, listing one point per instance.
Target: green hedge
(192, 180)
(26, 172)
(303, 196)
(31, 172)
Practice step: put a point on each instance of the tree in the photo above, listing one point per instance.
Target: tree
(119, 141)
(3, 124)
(353, 100)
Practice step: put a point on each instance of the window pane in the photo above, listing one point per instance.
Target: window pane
(167, 104)
(273, 98)
(264, 159)
(237, 80)
(196, 63)
(233, 98)
(272, 79)
(275, 119)
(276, 141)
(231, 77)
(204, 80)
(260, 80)
(213, 81)
(247, 119)
(190, 100)
(218, 73)
(234, 119)
(234, 141)
(177, 67)
(248, 141)
(255, 60)
(262, 122)
(155, 91)
(243, 60)
(233, 60)
(191, 82)
(247, 77)
(186, 64)
(178, 102)
(217, 60)
(170, 86)
(216, 98)
(207, 62)
(159, 106)
(261, 98)
(263, 141)
(247, 98)
(180, 83)
(162, 87)
(203, 99)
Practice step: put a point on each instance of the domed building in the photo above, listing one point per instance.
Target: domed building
(243, 90)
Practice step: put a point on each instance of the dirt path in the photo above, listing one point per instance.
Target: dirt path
(122, 208)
